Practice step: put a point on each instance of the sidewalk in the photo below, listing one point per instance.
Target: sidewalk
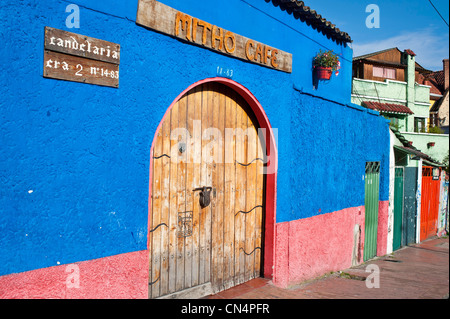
(420, 271)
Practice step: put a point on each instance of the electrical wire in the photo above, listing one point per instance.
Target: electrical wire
(438, 12)
(293, 29)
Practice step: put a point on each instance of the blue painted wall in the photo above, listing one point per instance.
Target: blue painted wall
(330, 143)
(74, 158)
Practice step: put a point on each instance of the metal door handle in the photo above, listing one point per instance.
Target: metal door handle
(205, 195)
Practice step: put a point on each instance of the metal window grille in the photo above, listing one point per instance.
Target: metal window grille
(372, 167)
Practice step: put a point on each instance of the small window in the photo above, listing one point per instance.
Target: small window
(434, 119)
(387, 73)
(419, 125)
(378, 72)
(395, 122)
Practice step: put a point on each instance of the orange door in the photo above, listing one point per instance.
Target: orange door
(210, 140)
(429, 208)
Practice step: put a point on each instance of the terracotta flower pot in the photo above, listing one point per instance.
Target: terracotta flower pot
(323, 73)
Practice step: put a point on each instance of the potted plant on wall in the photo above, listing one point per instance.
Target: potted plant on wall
(325, 63)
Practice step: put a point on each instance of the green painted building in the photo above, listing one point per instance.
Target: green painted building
(388, 81)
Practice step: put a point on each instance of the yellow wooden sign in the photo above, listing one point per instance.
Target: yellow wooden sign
(162, 18)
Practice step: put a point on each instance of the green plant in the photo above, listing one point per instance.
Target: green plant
(445, 162)
(435, 130)
(327, 59)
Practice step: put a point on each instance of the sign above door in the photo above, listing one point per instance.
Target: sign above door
(162, 18)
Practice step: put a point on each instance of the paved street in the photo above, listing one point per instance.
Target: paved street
(419, 271)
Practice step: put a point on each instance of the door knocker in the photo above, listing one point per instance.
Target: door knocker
(205, 195)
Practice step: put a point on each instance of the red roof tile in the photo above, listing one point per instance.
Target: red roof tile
(410, 52)
(430, 81)
(387, 107)
(437, 79)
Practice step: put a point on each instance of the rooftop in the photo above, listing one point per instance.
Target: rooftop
(368, 56)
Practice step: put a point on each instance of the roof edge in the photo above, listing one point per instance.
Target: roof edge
(305, 14)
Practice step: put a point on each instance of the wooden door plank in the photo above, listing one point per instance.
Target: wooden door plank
(196, 109)
(209, 181)
(230, 187)
(216, 211)
(205, 213)
(150, 224)
(165, 207)
(156, 218)
(181, 193)
(220, 180)
(241, 185)
(173, 203)
(212, 149)
(190, 108)
(250, 215)
(203, 175)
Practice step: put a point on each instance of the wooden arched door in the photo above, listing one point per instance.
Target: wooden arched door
(208, 139)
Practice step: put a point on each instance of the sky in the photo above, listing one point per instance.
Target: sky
(405, 24)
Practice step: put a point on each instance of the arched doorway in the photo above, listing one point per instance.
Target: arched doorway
(212, 201)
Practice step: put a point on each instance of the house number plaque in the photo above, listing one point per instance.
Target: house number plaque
(74, 57)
